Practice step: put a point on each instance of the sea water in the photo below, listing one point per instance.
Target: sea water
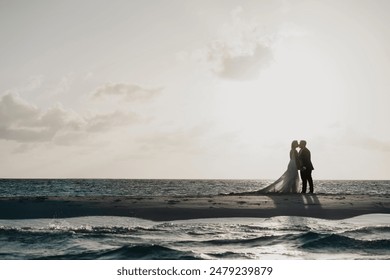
(287, 237)
(145, 188)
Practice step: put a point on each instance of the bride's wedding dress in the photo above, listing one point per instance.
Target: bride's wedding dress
(289, 181)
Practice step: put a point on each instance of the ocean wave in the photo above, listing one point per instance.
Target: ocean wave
(32, 236)
(86, 229)
(370, 230)
(129, 252)
(132, 238)
(341, 242)
(256, 241)
(228, 255)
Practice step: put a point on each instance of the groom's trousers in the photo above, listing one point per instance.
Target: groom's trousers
(306, 177)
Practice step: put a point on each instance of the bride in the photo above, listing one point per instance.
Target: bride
(289, 181)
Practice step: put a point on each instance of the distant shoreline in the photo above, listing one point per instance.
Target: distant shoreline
(169, 208)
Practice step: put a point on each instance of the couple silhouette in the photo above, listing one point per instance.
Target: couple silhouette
(289, 181)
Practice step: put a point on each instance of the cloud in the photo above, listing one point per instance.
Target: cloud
(34, 82)
(245, 66)
(241, 50)
(376, 144)
(354, 138)
(14, 109)
(25, 123)
(178, 141)
(104, 122)
(243, 47)
(129, 92)
(44, 84)
(170, 142)
(199, 139)
(63, 85)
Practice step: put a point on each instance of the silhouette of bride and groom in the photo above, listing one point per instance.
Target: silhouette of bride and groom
(289, 181)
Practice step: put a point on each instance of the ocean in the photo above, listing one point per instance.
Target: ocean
(101, 237)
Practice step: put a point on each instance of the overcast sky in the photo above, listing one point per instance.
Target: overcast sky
(193, 89)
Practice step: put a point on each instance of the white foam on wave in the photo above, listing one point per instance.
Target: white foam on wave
(279, 222)
(76, 223)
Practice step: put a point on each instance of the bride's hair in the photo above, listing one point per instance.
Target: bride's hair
(294, 144)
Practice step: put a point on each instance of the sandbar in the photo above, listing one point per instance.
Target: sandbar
(169, 208)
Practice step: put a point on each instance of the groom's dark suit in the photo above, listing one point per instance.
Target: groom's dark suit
(306, 168)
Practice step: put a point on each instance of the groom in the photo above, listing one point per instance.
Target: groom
(306, 166)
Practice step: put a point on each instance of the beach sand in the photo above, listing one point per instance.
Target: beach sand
(182, 208)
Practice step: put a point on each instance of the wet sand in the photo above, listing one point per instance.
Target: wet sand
(166, 208)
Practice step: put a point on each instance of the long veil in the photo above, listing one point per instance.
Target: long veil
(287, 183)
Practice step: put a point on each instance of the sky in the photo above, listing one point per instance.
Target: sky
(193, 89)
